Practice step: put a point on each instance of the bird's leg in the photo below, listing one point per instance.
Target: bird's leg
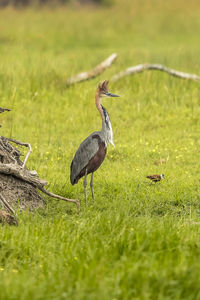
(91, 185)
(85, 185)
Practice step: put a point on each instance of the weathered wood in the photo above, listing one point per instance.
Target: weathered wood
(94, 72)
(22, 144)
(22, 173)
(9, 154)
(19, 193)
(17, 182)
(27, 176)
(6, 204)
(144, 67)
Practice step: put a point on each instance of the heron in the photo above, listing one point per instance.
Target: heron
(92, 151)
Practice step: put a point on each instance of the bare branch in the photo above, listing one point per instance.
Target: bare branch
(6, 204)
(60, 197)
(11, 165)
(94, 72)
(22, 144)
(143, 67)
(30, 177)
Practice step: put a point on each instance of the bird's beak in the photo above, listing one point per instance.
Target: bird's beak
(111, 95)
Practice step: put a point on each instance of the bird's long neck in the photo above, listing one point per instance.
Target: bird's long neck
(106, 131)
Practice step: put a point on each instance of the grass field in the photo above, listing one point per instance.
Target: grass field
(138, 240)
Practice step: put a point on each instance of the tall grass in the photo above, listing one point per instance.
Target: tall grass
(138, 240)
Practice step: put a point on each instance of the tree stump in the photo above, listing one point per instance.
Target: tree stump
(18, 185)
(14, 189)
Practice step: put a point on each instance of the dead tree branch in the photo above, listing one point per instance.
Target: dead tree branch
(22, 144)
(143, 67)
(60, 197)
(26, 182)
(94, 72)
(21, 173)
(6, 204)
(30, 177)
(9, 154)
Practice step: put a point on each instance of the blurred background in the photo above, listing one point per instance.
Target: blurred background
(49, 2)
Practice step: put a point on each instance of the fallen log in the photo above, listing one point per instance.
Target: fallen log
(143, 67)
(94, 72)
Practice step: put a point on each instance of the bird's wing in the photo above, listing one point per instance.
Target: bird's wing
(154, 177)
(87, 149)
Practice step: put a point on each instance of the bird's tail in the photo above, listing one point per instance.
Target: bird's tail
(72, 179)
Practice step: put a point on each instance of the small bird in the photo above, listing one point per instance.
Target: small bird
(92, 150)
(156, 178)
(3, 109)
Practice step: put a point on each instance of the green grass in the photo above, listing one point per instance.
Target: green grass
(138, 240)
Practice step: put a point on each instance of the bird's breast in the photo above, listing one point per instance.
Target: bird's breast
(99, 157)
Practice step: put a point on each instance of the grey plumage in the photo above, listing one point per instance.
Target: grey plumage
(87, 149)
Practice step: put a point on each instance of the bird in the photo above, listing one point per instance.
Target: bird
(3, 109)
(156, 177)
(92, 151)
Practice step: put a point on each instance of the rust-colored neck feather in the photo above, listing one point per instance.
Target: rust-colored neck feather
(98, 104)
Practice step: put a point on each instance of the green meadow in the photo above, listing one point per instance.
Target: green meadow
(138, 240)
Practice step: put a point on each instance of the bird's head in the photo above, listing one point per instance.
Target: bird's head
(162, 176)
(102, 90)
